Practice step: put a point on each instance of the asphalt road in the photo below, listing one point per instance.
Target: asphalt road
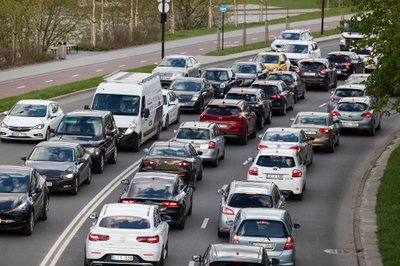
(326, 213)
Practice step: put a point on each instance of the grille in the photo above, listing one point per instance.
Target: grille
(20, 129)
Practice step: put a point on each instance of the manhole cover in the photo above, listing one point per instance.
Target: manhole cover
(338, 251)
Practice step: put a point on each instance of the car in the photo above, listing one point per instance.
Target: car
(245, 194)
(172, 67)
(290, 35)
(346, 63)
(320, 128)
(347, 90)
(237, 255)
(192, 93)
(221, 79)
(285, 167)
(204, 137)
(247, 72)
(171, 108)
(371, 60)
(292, 80)
(271, 229)
(317, 72)
(24, 198)
(127, 234)
(173, 157)
(163, 189)
(95, 131)
(66, 165)
(31, 120)
(298, 50)
(257, 100)
(350, 34)
(357, 79)
(234, 118)
(277, 91)
(288, 138)
(358, 113)
(273, 61)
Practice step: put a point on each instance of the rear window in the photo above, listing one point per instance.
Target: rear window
(267, 59)
(286, 78)
(311, 120)
(242, 96)
(151, 190)
(244, 200)
(193, 133)
(268, 89)
(276, 161)
(313, 66)
(352, 107)
(168, 151)
(339, 58)
(247, 69)
(262, 228)
(185, 86)
(349, 93)
(281, 137)
(124, 222)
(222, 110)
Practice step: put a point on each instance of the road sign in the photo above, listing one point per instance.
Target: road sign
(166, 7)
(222, 8)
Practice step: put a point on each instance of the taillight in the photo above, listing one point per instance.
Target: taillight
(149, 163)
(297, 173)
(323, 72)
(334, 99)
(260, 147)
(276, 96)
(172, 205)
(335, 113)
(128, 201)
(235, 239)
(253, 171)
(367, 115)
(324, 130)
(185, 164)
(95, 237)
(289, 243)
(228, 211)
(346, 64)
(148, 239)
(211, 145)
(203, 116)
(295, 148)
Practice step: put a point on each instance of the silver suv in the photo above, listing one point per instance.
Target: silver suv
(246, 194)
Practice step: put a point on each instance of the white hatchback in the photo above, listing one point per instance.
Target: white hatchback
(31, 120)
(127, 234)
(284, 167)
(171, 108)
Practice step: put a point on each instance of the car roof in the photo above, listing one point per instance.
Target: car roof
(277, 151)
(284, 129)
(217, 69)
(58, 144)
(34, 101)
(4, 168)
(251, 187)
(229, 102)
(263, 213)
(295, 30)
(313, 114)
(244, 90)
(142, 210)
(318, 60)
(90, 113)
(280, 72)
(246, 63)
(231, 252)
(169, 144)
(268, 82)
(300, 42)
(269, 53)
(196, 124)
(193, 79)
(351, 86)
(340, 53)
(365, 100)
(178, 56)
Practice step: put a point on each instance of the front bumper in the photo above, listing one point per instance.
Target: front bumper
(126, 140)
(31, 134)
(13, 220)
(189, 105)
(59, 184)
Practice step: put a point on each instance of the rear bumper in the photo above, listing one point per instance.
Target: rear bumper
(293, 186)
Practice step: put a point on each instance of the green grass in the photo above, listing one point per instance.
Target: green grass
(388, 212)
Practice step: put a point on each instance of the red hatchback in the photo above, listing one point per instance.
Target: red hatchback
(233, 117)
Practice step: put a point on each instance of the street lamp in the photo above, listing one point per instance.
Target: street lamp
(322, 17)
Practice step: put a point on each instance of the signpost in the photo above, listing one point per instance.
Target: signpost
(222, 9)
(163, 8)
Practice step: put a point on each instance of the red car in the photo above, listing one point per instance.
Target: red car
(233, 117)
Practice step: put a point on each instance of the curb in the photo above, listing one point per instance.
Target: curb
(364, 216)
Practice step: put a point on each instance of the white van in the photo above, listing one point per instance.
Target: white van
(135, 99)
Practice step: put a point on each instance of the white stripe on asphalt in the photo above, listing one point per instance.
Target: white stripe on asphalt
(183, 52)
(143, 61)
(204, 224)
(65, 238)
(201, 49)
(99, 70)
(236, 41)
(255, 38)
(48, 81)
(122, 66)
(191, 263)
(75, 75)
(21, 87)
(322, 105)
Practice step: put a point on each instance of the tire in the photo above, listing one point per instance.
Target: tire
(30, 224)
(284, 110)
(244, 139)
(221, 234)
(371, 132)
(161, 261)
(114, 157)
(292, 106)
(331, 148)
(299, 197)
(303, 96)
(327, 85)
(166, 123)
(181, 224)
(88, 180)
(254, 133)
(335, 83)
(379, 127)
(136, 144)
(261, 122)
(191, 206)
(337, 142)
(223, 155)
(200, 109)
(269, 118)
(47, 137)
(296, 98)
(99, 164)
(75, 189)
(178, 118)
(157, 135)
(200, 176)
(216, 160)
(43, 215)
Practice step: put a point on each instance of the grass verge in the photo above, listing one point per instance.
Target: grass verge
(388, 210)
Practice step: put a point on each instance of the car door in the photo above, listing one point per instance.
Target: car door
(160, 227)
(54, 115)
(173, 106)
(183, 194)
(109, 141)
(289, 95)
(198, 162)
(207, 91)
(277, 197)
(219, 139)
(36, 193)
(250, 117)
(196, 67)
(261, 71)
(82, 160)
(317, 50)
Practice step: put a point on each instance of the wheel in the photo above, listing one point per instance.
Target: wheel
(88, 180)
(331, 148)
(335, 83)
(269, 118)
(312, 158)
(327, 85)
(161, 261)
(45, 210)
(30, 224)
(215, 162)
(379, 125)
(200, 176)
(244, 139)
(221, 234)
(284, 110)
(299, 197)
(261, 122)
(254, 133)
(181, 224)
(303, 96)
(157, 135)
(136, 144)
(47, 137)
(292, 106)
(113, 158)
(200, 109)
(191, 206)
(223, 155)
(337, 141)
(371, 132)
(166, 123)
(75, 189)
(178, 117)
(296, 98)
(99, 164)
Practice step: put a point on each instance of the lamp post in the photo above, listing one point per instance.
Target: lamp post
(163, 8)
(322, 17)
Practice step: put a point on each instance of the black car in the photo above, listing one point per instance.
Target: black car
(292, 80)
(95, 131)
(192, 93)
(317, 72)
(65, 165)
(24, 198)
(247, 72)
(346, 63)
(167, 190)
(221, 79)
(174, 157)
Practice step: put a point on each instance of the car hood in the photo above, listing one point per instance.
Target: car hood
(161, 69)
(85, 141)
(22, 121)
(180, 94)
(246, 75)
(271, 67)
(353, 35)
(280, 42)
(50, 168)
(296, 56)
(124, 121)
(8, 201)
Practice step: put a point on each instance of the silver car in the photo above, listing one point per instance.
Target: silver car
(246, 194)
(271, 229)
(357, 79)
(288, 138)
(351, 90)
(359, 114)
(205, 137)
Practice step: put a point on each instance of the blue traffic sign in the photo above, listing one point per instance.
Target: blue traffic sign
(222, 8)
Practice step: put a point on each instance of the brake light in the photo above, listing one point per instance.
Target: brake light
(297, 173)
(149, 163)
(148, 239)
(203, 116)
(228, 211)
(323, 72)
(253, 171)
(128, 201)
(260, 147)
(324, 130)
(346, 64)
(367, 115)
(172, 205)
(295, 148)
(289, 243)
(185, 164)
(95, 237)
(334, 99)
(235, 239)
(335, 113)
(276, 96)
(211, 145)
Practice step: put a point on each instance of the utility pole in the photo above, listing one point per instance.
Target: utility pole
(341, 5)
(266, 23)
(287, 14)
(136, 15)
(172, 28)
(102, 22)
(210, 15)
(322, 17)
(261, 15)
(244, 24)
(235, 6)
(131, 27)
(163, 8)
(93, 39)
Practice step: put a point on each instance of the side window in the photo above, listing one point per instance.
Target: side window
(262, 95)
(34, 180)
(194, 61)
(181, 184)
(206, 256)
(289, 223)
(277, 197)
(189, 62)
(173, 96)
(284, 87)
(192, 151)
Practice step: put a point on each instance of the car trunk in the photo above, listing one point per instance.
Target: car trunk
(167, 163)
(122, 239)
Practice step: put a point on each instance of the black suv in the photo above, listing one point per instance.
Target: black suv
(317, 72)
(346, 63)
(95, 131)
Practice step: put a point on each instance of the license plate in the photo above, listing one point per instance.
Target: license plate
(204, 146)
(49, 184)
(311, 132)
(309, 74)
(264, 245)
(222, 125)
(349, 124)
(121, 257)
(269, 176)
(18, 134)
(339, 72)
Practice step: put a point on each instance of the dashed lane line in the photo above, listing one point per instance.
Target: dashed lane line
(21, 87)
(49, 81)
(204, 224)
(75, 75)
(322, 105)
(99, 70)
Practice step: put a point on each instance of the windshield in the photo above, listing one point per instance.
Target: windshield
(168, 151)
(269, 90)
(281, 137)
(222, 110)
(352, 26)
(151, 190)
(311, 120)
(262, 228)
(83, 125)
(288, 79)
(11, 182)
(352, 107)
(289, 36)
(246, 69)
(349, 93)
(339, 58)
(117, 104)
(242, 96)
(185, 86)
(216, 75)
(173, 62)
(275, 161)
(295, 48)
(311, 66)
(124, 222)
(357, 79)
(247, 200)
(267, 59)
(193, 133)
(52, 154)
(28, 110)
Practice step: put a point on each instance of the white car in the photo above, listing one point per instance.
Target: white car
(126, 234)
(31, 120)
(284, 167)
(289, 36)
(171, 108)
(299, 50)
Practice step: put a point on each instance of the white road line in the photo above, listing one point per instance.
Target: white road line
(48, 81)
(236, 41)
(122, 66)
(201, 49)
(255, 38)
(204, 224)
(70, 231)
(183, 52)
(191, 263)
(21, 87)
(322, 105)
(75, 75)
(143, 61)
(99, 70)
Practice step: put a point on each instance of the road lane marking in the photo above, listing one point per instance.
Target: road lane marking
(143, 61)
(236, 41)
(204, 224)
(191, 263)
(122, 66)
(255, 38)
(48, 81)
(322, 105)
(75, 75)
(65, 238)
(99, 70)
(183, 52)
(21, 87)
(201, 49)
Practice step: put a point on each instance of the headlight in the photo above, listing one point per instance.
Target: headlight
(69, 173)
(3, 125)
(23, 206)
(195, 97)
(93, 151)
(67, 176)
(178, 74)
(130, 129)
(222, 85)
(342, 40)
(40, 126)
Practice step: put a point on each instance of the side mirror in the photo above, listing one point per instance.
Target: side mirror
(167, 218)
(197, 258)
(260, 136)
(292, 119)
(24, 158)
(52, 130)
(111, 132)
(146, 150)
(94, 216)
(221, 191)
(145, 113)
(86, 107)
(199, 153)
(125, 181)
(274, 261)
(250, 159)
(296, 226)
(81, 160)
